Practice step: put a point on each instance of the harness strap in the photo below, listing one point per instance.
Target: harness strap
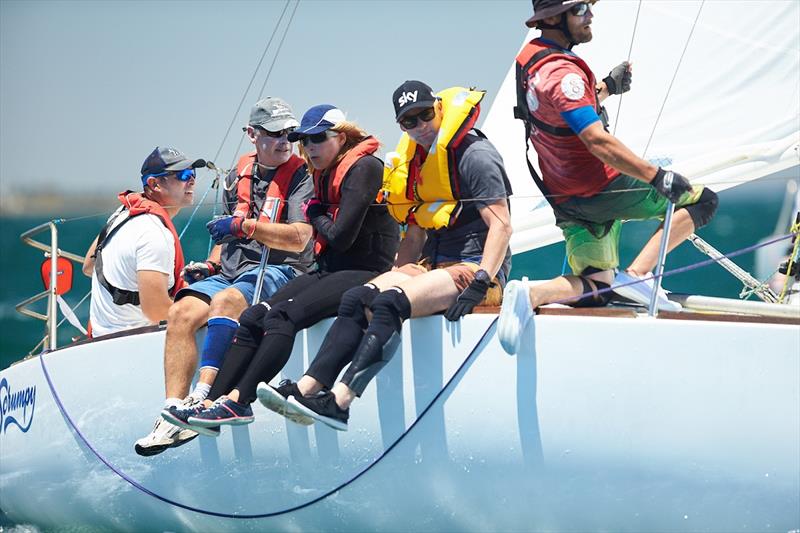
(118, 296)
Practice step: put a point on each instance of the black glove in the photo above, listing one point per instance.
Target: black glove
(670, 184)
(467, 300)
(619, 79)
(793, 272)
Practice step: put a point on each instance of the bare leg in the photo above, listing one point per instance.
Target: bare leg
(185, 317)
(564, 289)
(682, 227)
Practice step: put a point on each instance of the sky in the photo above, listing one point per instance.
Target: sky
(88, 89)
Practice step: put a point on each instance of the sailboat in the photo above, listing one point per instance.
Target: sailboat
(606, 419)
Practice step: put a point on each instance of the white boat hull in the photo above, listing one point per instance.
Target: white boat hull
(600, 423)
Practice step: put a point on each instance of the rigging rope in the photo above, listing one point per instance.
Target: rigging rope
(792, 259)
(630, 51)
(674, 75)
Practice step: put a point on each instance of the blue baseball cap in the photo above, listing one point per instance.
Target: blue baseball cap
(167, 159)
(316, 120)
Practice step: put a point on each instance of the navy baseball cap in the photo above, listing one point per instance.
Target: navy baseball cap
(316, 120)
(167, 159)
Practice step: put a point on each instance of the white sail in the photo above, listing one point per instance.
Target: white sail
(732, 114)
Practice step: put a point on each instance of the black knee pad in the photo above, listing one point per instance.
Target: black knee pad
(703, 210)
(278, 321)
(591, 298)
(391, 306)
(370, 357)
(251, 325)
(356, 300)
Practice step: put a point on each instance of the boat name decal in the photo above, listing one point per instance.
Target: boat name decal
(12, 403)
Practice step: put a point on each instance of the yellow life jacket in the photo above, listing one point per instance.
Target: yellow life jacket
(423, 188)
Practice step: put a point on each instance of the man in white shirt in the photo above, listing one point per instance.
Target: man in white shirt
(136, 266)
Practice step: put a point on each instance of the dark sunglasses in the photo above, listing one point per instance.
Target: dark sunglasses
(318, 138)
(182, 175)
(411, 122)
(275, 134)
(580, 10)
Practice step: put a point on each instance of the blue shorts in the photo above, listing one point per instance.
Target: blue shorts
(275, 277)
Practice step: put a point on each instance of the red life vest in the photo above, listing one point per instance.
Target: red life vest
(137, 204)
(531, 58)
(331, 195)
(278, 187)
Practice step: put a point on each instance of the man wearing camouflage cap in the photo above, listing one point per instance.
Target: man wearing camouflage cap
(223, 286)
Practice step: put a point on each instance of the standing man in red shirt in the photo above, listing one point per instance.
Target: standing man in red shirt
(591, 179)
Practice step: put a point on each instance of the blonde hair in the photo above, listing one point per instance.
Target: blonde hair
(354, 135)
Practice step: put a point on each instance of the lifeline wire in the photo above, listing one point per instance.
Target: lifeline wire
(309, 503)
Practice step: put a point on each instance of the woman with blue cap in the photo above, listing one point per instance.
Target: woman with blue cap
(355, 240)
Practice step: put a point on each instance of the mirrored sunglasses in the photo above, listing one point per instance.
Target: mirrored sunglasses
(580, 10)
(318, 138)
(411, 122)
(275, 134)
(182, 175)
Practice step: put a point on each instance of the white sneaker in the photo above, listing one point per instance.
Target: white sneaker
(639, 289)
(163, 436)
(514, 314)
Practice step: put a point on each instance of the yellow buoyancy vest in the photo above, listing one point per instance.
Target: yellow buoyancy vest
(428, 194)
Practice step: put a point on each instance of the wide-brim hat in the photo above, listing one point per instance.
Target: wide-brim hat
(543, 9)
(316, 120)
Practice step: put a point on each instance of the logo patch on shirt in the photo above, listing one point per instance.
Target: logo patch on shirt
(572, 86)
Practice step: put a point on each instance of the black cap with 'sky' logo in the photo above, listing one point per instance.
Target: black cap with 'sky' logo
(412, 94)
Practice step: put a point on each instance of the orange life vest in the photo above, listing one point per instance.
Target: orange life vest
(136, 204)
(332, 194)
(278, 187)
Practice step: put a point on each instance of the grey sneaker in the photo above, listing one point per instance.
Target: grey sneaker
(163, 436)
(276, 399)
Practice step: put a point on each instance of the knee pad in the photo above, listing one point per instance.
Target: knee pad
(370, 357)
(251, 325)
(391, 307)
(703, 210)
(590, 297)
(356, 300)
(278, 321)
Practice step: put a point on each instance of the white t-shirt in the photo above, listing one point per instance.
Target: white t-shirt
(144, 243)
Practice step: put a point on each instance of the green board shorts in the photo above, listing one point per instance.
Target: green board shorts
(625, 198)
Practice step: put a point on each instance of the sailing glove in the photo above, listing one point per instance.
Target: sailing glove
(467, 300)
(226, 228)
(195, 271)
(313, 208)
(619, 79)
(671, 185)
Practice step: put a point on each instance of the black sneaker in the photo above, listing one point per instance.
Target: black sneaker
(276, 399)
(322, 407)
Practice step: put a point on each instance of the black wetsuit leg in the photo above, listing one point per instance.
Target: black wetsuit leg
(344, 335)
(317, 301)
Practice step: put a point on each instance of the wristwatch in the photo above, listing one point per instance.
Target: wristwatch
(481, 275)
